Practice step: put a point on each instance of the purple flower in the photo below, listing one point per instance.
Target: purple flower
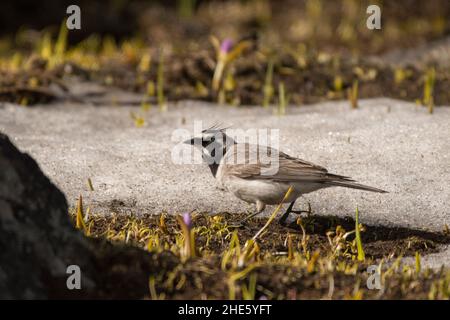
(187, 219)
(226, 45)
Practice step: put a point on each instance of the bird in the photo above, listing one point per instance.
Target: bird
(240, 169)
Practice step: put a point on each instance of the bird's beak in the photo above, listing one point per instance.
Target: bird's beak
(189, 141)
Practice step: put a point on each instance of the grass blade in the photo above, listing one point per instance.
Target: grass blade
(361, 254)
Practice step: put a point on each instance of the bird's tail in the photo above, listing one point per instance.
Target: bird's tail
(354, 185)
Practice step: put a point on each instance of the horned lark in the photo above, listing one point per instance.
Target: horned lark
(240, 169)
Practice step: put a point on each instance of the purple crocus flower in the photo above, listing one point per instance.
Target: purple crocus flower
(187, 219)
(226, 45)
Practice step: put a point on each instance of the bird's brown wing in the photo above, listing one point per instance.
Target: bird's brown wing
(290, 169)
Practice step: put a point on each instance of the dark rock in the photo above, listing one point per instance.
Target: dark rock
(38, 242)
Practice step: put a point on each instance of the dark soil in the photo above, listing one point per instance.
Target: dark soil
(280, 274)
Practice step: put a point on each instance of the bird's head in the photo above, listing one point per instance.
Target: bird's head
(213, 142)
(211, 138)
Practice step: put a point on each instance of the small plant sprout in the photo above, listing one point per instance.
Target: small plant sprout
(185, 223)
(109, 46)
(361, 254)
(90, 185)
(235, 276)
(268, 89)
(312, 262)
(290, 247)
(138, 120)
(229, 83)
(282, 99)
(274, 213)
(249, 252)
(418, 264)
(162, 224)
(226, 52)
(428, 89)
(144, 64)
(249, 292)
(304, 236)
(338, 83)
(16, 61)
(353, 95)
(200, 89)
(399, 75)
(160, 84)
(79, 215)
(152, 288)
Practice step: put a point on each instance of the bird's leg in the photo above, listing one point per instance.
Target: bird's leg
(283, 218)
(303, 211)
(285, 215)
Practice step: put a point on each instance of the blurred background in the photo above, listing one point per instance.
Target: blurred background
(317, 49)
(326, 24)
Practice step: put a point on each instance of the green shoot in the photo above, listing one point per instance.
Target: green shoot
(338, 83)
(221, 96)
(418, 264)
(268, 90)
(274, 213)
(304, 237)
(248, 293)
(229, 83)
(290, 247)
(89, 183)
(282, 100)
(109, 46)
(189, 236)
(200, 89)
(79, 215)
(144, 64)
(46, 46)
(428, 89)
(16, 61)
(138, 120)
(231, 290)
(353, 95)
(150, 89)
(361, 254)
(225, 54)
(152, 288)
(399, 76)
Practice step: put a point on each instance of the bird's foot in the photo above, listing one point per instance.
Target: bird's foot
(308, 212)
(282, 220)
